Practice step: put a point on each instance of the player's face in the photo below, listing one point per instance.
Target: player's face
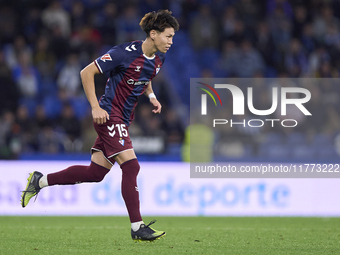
(163, 40)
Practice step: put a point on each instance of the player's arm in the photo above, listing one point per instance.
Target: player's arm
(87, 77)
(153, 100)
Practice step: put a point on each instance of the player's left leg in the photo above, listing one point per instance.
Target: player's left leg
(130, 168)
(95, 172)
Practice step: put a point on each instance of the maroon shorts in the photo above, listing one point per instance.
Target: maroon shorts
(113, 138)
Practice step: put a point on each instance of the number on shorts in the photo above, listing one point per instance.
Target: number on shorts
(121, 130)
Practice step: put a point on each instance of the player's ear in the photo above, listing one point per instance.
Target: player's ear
(153, 34)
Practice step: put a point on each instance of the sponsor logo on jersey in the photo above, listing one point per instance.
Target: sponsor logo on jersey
(106, 57)
(132, 81)
(137, 68)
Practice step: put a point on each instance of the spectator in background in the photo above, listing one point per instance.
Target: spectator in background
(173, 128)
(154, 128)
(9, 95)
(32, 24)
(207, 73)
(43, 58)
(59, 44)
(296, 59)
(27, 77)
(27, 129)
(332, 36)
(70, 127)
(300, 20)
(264, 43)
(78, 15)
(49, 141)
(85, 41)
(69, 78)
(13, 51)
(228, 21)
(307, 38)
(144, 113)
(8, 24)
(146, 6)
(204, 29)
(284, 5)
(55, 16)
(106, 22)
(69, 123)
(41, 120)
(323, 21)
(248, 61)
(249, 11)
(281, 28)
(229, 55)
(326, 71)
(6, 133)
(95, 4)
(316, 58)
(239, 33)
(218, 6)
(127, 25)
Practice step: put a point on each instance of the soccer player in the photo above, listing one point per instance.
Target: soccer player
(130, 67)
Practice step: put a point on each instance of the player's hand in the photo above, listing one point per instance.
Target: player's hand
(99, 115)
(157, 105)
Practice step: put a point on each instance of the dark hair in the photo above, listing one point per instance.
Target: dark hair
(158, 21)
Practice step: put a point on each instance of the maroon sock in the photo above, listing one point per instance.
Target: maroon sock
(78, 174)
(130, 193)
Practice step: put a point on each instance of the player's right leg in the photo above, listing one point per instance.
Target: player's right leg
(146, 233)
(130, 168)
(95, 172)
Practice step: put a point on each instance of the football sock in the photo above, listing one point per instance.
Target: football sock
(43, 181)
(77, 174)
(130, 193)
(135, 225)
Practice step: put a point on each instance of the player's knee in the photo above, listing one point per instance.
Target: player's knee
(130, 167)
(97, 172)
(136, 166)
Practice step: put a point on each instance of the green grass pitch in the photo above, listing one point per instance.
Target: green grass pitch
(185, 235)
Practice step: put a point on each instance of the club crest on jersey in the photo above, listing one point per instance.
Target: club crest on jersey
(157, 69)
(137, 68)
(121, 141)
(106, 57)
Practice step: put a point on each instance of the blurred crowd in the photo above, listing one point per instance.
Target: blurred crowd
(44, 45)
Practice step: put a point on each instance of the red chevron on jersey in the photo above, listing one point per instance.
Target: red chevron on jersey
(106, 57)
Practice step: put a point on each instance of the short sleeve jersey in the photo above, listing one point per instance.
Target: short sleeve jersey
(129, 72)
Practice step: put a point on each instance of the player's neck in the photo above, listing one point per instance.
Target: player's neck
(148, 47)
